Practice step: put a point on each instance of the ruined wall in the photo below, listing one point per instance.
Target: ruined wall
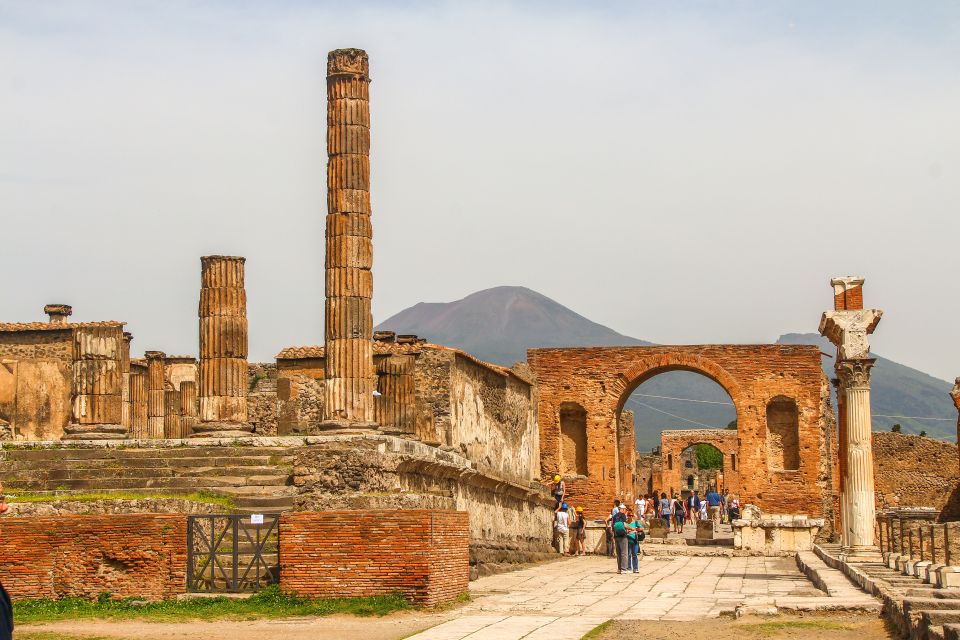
(648, 473)
(36, 383)
(329, 554)
(910, 471)
(262, 401)
(300, 394)
(509, 522)
(127, 555)
(600, 380)
(627, 452)
(675, 443)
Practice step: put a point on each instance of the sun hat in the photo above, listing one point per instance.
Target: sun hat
(556, 478)
(579, 509)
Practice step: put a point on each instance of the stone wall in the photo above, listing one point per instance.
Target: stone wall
(509, 522)
(35, 383)
(910, 471)
(143, 556)
(600, 379)
(262, 402)
(422, 554)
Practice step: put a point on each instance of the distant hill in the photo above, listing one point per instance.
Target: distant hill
(500, 324)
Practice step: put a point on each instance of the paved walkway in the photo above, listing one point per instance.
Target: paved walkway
(564, 600)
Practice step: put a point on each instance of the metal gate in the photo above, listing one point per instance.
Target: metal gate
(232, 553)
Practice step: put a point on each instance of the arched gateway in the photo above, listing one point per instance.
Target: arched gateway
(598, 381)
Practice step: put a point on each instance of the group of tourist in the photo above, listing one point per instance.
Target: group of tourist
(626, 526)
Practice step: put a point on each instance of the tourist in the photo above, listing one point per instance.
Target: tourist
(562, 526)
(6, 607)
(619, 524)
(580, 533)
(703, 511)
(559, 491)
(734, 508)
(678, 512)
(693, 507)
(635, 536)
(713, 502)
(656, 504)
(651, 509)
(665, 510)
(611, 544)
(640, 505)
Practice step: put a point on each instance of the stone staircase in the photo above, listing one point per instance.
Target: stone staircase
(917, 609)
(257, 479)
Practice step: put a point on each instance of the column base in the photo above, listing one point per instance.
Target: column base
(861, 553)
(221, 430)
(95, 432)
(339, 426)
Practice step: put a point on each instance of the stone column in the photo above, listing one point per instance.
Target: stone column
(125, 416)
(848, 327)
(223, 379)
(138, 401)
(188, 407)
(955, 394)
(395, 408)
(97, 383)
(155, 397)
(172, 427)
(350, 378)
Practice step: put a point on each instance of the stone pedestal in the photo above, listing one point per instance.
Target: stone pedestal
(223, 349)
(97, 384)
(350, 379)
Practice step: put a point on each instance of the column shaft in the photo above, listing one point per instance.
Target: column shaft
(138, 405)
(155, 394)
(188, 407)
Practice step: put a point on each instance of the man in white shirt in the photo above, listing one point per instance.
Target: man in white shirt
(641, 503)
(563, 529)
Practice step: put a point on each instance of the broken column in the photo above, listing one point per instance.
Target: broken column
(223, 379)
(138, 400)
(395, 408)
(155, 397)
(188, 407)
(350, 379)
(172, 426)
(848, 327)
(97, 382)
(58, 313)
(125, 416)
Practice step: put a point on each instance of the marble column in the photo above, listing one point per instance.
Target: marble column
(350, 378)
(848, 327)
(223, 376)
(155, 396)
(97, 383)
(188, 407)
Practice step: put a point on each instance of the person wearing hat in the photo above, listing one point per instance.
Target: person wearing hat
(562, 527)
(580, 533)
(6, 607)
(559, 491)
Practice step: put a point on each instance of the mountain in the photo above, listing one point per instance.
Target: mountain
(500, 324)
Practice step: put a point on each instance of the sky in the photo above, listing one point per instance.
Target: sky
(680, 172)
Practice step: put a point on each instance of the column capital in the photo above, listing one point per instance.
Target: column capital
(848, 330)
(855, 374)
(955, 393)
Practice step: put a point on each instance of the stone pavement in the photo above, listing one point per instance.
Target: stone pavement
(563, 600)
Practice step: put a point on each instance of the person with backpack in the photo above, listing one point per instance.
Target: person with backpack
(562, 527)
(635, 535)
(618, 524)
(559, 491)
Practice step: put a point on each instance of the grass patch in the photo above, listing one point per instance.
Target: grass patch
(597, 630)
(204, 497)
(269, 603)
(771, 628)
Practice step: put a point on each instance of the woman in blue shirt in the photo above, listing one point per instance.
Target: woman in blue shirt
(634, 528)
(665, 510)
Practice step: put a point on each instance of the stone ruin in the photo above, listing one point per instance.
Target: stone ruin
(376, 419)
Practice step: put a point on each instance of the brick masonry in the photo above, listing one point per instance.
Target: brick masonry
(910, 471)
(127, 555)
(422, 554)
(600, 380)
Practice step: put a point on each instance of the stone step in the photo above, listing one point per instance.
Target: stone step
(147, 452)
(143, 463)
(56, 475)
(181, 482)
(932, 621)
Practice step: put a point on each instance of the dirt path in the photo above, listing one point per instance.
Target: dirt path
(830, 626)
(391, 627)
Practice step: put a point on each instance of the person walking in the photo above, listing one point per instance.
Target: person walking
(635, 535)
(611, 545)
(665, 511)
(703, 511)
(559, 491)
(713, 504)
(619, 524)
(562, 527)
(693, 507)
(678, 512)
(579, 533)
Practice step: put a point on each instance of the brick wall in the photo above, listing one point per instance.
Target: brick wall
(910, 471)
(600, 379)
(423, 554)
(141, 555)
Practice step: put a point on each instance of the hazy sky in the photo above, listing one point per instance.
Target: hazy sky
(681, 172)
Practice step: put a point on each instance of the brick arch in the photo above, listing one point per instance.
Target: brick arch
(675, 441)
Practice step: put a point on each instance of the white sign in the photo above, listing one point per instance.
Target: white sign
(256, 518)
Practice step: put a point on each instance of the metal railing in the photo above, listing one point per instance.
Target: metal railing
(233, 552)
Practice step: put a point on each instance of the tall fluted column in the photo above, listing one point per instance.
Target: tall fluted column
(350, 379)
(155, 396)
(172, 426)
(188, 407)
(858, 486)
(138, 401)
(97, 383)
(223, 349)
(125, 415)
(848, 327)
